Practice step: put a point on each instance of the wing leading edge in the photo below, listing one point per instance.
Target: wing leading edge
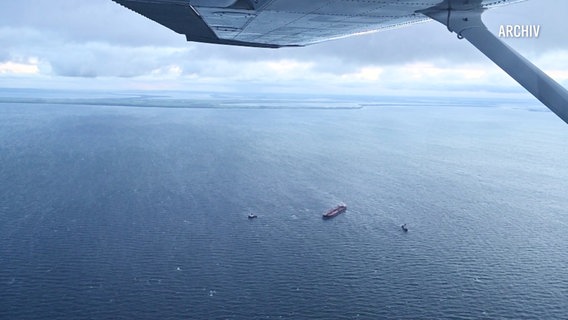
(285, 23)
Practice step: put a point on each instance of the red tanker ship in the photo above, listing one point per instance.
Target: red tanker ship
(335, 211)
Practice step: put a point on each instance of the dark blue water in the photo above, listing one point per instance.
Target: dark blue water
(141, 213)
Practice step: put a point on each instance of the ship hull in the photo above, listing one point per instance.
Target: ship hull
(334, 212)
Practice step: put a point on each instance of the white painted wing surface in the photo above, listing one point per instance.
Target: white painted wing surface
(279, 23)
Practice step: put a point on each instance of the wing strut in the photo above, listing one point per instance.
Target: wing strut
(467, 23)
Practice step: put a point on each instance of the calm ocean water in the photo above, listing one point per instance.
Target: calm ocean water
(141, 213)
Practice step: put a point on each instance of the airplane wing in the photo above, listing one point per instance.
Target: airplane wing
(281, 23)
(285, 23)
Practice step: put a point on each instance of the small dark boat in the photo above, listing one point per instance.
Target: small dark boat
(404, 228)
(252, 216)
(335, 211)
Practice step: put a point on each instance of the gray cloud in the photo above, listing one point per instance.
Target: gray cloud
(4, 55)
(86, 21)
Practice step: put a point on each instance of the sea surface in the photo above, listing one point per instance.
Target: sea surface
(125, 212)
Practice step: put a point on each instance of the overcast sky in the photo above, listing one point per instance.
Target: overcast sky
(97, 44)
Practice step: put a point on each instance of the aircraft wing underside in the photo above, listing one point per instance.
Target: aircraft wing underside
(279, 23)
